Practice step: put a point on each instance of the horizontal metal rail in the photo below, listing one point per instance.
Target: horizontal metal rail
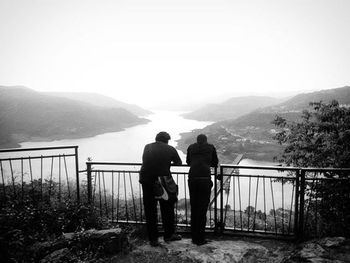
(37, 149)
(26, 173)
(286, 168)
(36, 157)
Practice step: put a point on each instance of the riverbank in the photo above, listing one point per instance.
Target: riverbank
(15, 140)
(229, 146)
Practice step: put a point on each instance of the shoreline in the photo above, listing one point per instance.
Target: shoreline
(20, 138)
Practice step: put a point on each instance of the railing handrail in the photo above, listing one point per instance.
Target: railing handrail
(131, 164)
(113, 163)
(38, 148)
(285, 168)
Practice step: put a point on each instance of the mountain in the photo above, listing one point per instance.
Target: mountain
(302, 101)
(27, 115)
(101, 100)
(231, 109)
(252, 134)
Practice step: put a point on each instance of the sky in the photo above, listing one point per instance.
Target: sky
(164, 51)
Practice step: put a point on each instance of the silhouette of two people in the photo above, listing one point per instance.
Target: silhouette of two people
(157, 159)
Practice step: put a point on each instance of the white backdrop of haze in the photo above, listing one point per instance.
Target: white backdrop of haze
(165, 51)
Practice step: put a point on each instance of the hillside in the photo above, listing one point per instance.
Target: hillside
(252, 133)
(101, 100)
(301, 101)
(27, 115)
(232, 108)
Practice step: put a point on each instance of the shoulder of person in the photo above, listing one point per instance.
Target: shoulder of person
(149, 145)
(171, 147)
(211, 145)
(191, 146)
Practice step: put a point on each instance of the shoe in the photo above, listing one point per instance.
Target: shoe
(154, 243)
(173, 237)
(200, 242)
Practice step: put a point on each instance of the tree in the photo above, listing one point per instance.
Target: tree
(249, 210)
(321, 139)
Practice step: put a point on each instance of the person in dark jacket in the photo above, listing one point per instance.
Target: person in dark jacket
(156, 161)
(200, 156)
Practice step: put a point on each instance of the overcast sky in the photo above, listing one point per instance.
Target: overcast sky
(144, 51)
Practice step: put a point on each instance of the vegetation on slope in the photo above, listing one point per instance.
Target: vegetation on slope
(100, 100)
(230, 109)
(29, 115)
(253, 134)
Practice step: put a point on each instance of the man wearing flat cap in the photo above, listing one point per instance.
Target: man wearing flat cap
(156, 161)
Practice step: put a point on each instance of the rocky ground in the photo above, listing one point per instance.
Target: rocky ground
(122, 246)
(240, 250)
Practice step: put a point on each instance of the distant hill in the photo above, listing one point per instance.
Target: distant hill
(252, 134)
(101, 100)
(302, 101)
(232, 108)
(290, 109)
(27, 115)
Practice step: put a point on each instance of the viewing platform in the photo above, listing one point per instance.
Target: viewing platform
(274, 201)
(256, 213)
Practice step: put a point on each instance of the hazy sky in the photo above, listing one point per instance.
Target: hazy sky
(144, 51)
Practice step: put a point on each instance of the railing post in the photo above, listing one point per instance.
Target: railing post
(296, 205)
(77, 172)
(89, 183)
(221, 200)
(215, 200)
(302, 204)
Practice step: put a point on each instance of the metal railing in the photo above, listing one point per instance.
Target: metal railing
(114, 190)
(285, 201)
(261, 200)
(33, 173)
(278, 201)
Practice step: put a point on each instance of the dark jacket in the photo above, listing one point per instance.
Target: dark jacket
(201, 157)
(156, 161)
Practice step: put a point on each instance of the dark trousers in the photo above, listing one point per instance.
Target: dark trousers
(166, 209)
(199, 198)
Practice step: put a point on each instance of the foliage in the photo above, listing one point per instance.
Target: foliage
(277, 221)
(30, 213)
(321, 139)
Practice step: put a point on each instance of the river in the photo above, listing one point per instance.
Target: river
(127, 146)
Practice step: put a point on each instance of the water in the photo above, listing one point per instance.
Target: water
(264, 193)
(127, 146)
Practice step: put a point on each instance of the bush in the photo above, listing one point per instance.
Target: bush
(29, 214)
